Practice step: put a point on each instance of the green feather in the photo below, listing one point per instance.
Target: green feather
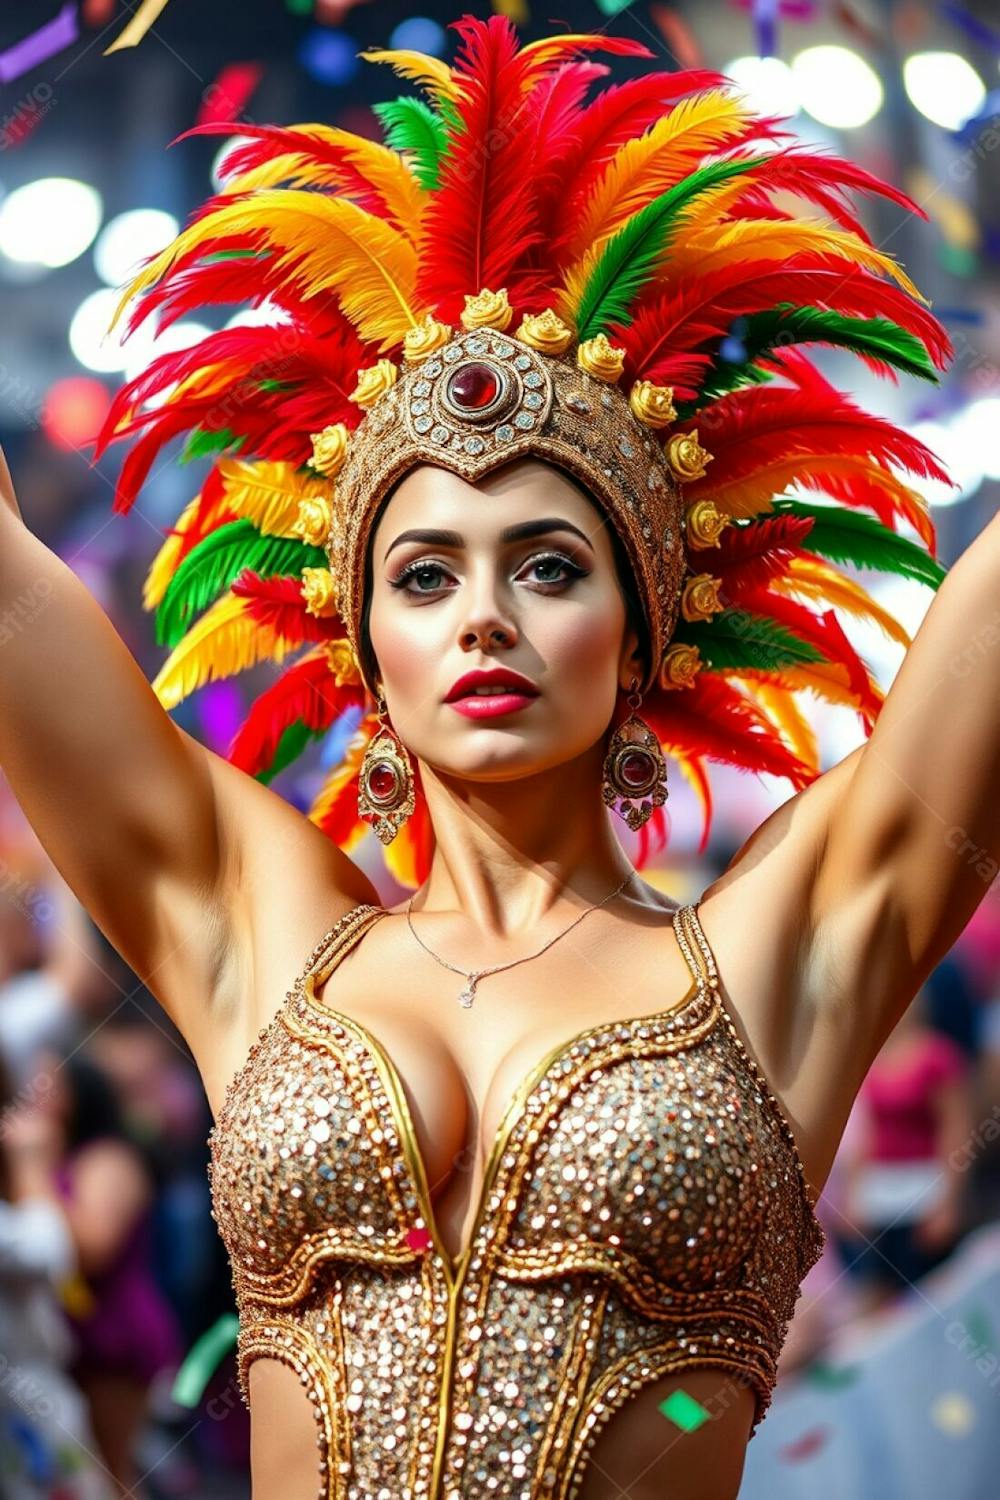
(737, 638)
(842, 535)
(200, 442)
(411, 125)
(294, 738)
(762, 332)
(219, 558)
(631, 257)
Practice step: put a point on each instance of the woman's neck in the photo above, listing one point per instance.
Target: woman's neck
(507, 852)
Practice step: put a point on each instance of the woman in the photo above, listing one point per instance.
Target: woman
(548, 1248)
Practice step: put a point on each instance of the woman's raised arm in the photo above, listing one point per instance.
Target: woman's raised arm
(148, 827)
(913, 844)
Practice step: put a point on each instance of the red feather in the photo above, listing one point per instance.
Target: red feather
(757, 425)
(750, 554)
(278, 603)
(823, 632)
(668, 321)
(480, 223)
(306, 693)
(823, 179)
(714, 719)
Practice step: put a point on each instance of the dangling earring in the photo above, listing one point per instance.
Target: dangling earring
(385, 781)
(634, 768)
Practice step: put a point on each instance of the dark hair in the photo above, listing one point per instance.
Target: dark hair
(634, 615)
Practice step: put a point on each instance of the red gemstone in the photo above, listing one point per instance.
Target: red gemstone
(383, 781)
(636, 768)
(418, 1239)
(474, 386)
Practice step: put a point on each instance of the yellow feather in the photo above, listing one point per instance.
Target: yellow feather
(225, 640)
(644, 168)
(820, 581)
(328, 245)
(696, 250)
(165, 563)
(434, 75)
(777, 703)
(753, 493)
(388, 172)
(268, 492)
(339, 778)
(828, 680)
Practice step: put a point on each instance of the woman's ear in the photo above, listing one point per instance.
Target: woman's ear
(630, 665)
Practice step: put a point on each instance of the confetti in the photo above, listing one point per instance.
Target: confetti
(832, 1376)
(515, 10)
(806, 1446)
(225, 98)
(42, 44)
(613, 7)
(852, 22)
(678, 36)
(141, 21)
(97, 12)
(684, 1410)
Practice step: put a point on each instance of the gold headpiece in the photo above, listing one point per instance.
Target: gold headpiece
(484, 397)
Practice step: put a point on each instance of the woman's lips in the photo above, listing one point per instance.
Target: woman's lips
(491, 705)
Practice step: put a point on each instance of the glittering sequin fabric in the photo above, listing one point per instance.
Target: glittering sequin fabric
(644, 1211)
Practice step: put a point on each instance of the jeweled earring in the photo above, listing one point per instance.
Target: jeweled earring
(635, 768)
(385, 781)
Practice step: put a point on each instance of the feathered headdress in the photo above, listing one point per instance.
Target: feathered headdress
(607, 283)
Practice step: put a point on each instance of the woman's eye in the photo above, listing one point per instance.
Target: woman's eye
(548, 568)
(552, 567)
(426, 577)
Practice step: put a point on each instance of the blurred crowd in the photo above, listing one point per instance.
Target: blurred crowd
(110, 1265)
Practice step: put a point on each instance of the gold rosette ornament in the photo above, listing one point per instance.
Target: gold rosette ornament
(652, 404)
(705, 523)
(687, 457)
(680, 666)
(601, 359)
(319, 592)
(700, 600)
(487, 310)
(546, 332)
(424, 339)
(329, 449)
(314, 520)
(342, 661)
(373, 381)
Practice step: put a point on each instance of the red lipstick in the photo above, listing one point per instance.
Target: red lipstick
(508, 692)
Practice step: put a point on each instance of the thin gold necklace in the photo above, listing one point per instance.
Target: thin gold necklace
(473, 976)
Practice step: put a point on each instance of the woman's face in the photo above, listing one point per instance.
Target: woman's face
(516, 571)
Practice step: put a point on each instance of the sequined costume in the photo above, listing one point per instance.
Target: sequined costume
(644, 1210)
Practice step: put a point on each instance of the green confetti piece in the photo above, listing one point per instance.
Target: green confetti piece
(684, 1410)
(202, 1360)
(830, 1377)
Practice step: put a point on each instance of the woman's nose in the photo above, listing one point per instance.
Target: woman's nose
(488, 631)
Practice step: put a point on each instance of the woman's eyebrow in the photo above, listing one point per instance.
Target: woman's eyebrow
(521, 532)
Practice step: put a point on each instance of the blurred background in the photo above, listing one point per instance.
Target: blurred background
(116, 1314)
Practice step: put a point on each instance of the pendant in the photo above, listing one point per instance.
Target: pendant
(467, 996)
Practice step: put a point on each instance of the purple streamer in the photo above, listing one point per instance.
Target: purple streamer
(972, 26)
(41, 44)
(765, 20)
